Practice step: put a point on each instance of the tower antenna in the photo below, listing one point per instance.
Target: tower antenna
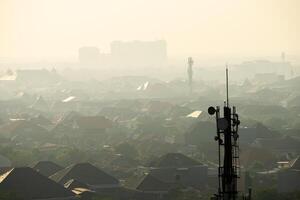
(228, 149)
(227, 95)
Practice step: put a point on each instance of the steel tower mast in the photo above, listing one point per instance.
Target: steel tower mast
(228, 148)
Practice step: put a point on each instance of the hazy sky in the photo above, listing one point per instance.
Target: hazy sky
(57, 28)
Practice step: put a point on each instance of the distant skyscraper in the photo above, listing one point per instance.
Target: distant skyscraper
(190, 73)
(283, 56)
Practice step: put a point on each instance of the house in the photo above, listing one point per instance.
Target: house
(158, 107)
(285, 177)
(116, 194)
(152, 184)
(86, 173)
(42, 121)
(156, 90)
(123, 162)
(61, 130)
(40, 104)
(200, 132)
(66, 124)
(174, 170)
(251, 155)
(295, 163)
(288, 179)
(286, 144)
(93, 124)
(75, 184)
(69, 118)
(195, 114)
(120, 113)
(177, 160)
(23, 130)
(26, 183)
(67, 104)
(163, 179)
(25, 97)
(47, 168)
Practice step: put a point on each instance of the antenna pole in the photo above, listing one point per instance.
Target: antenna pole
(227, 137)
(227, 96)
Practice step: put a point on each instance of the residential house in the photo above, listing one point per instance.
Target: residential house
(93, 124)
(28, 184)
(288, 179)
(47, 168)
(24, 131)
(174, 170)
(282, 145)
(86, 173)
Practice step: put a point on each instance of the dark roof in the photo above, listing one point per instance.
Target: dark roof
(124, 161)
(122, 113)
(119, 193)
(200, 132)
(159, 106)
(85, 173)
(163, 179)
(286, 143)
(94, 122)
(296, 163)
(174, 160)
(40, 103)
(69, 118)
(24, 128)
(151, 183)
(47, 168)
(62, 129)
(4, 170)
(41, 120)
(26, 183)
(21, 124)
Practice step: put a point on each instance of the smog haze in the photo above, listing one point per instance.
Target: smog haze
(39, 29)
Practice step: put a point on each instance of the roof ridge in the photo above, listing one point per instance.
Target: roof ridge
(294, 161)
(3, 176)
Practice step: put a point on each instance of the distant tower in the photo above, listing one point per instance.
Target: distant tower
(190, 72)
(283, 57)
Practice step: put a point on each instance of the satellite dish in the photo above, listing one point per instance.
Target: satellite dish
(211, 110)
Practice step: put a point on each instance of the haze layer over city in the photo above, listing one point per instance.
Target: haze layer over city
(149, 100)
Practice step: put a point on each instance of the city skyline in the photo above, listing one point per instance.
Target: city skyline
(42, 29)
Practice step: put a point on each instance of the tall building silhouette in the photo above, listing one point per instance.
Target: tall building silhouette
(190, 73)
